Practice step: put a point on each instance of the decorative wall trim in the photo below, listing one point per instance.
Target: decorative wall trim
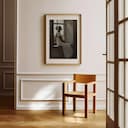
(4, 81)
(7, 67)
(99, 77)
(26, 103)
(4, 37)
(24, 76)
(6, 94)
(40, 73)
(55, 73)
(3, 31)
(21, 98)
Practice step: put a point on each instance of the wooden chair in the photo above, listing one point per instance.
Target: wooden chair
(87, 80)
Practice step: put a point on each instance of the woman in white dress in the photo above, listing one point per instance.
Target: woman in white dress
(59, 41)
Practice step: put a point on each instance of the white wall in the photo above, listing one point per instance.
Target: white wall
(30, 46)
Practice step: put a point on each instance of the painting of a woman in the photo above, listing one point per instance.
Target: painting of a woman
(62, 39)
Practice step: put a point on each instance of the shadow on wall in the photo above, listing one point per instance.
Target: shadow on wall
(45, 97)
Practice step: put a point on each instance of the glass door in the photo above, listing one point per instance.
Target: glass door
(123, 63)
(117, 63)
(110, 63)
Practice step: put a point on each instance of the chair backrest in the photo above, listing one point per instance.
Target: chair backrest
(84, 78)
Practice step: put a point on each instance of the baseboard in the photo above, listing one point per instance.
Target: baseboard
(100, 105)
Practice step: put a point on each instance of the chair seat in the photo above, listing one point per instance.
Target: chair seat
(78, 93)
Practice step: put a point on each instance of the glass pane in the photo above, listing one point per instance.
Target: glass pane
(111, 76)
(111, 14)
(121, 9)
(111, 96)
(126, 81)
(108, 75)
(108, 103)
(111, 47)
(108, 49)
(121, 78)
(126, 8)
(126, 39)
(121, 41)
(126, 114)
(108, 18)
(121, 113)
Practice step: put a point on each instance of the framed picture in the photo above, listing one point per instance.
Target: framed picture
(63, 38)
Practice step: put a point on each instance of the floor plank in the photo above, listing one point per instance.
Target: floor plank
(50, 119)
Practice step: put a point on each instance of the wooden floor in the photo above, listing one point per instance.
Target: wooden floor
(50, 119)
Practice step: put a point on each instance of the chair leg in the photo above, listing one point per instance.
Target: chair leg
(86, 102)
(63, 99)
(94, 104)
(94, 98)
(63, 105)
(74, 99)
(74, 104)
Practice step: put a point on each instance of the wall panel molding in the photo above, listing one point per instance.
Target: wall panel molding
(7, 46)
(6, 67)
(30, 86)
(5, 73)
(34, 83)
(4, 59)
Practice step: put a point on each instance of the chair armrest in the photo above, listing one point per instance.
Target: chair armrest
(93, 82)
(69, 82)
(66, 84)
